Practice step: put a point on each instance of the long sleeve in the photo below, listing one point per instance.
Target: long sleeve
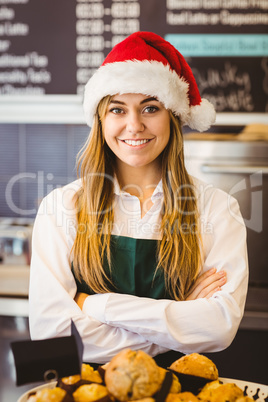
(53, 288)
(202, 325)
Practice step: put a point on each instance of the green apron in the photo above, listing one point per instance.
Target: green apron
(133, 272)
(133, 269)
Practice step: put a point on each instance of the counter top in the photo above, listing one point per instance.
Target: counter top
(14, 280)
(14, 307)
(252, 132)
(14, 290)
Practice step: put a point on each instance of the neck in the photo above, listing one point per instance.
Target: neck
(138, 181)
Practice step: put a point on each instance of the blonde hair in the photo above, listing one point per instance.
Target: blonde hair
(178, 253)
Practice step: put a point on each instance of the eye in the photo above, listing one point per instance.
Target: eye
(151, 109)
(116, 110)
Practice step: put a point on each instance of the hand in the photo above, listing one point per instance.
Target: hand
(207, 284)
(80, 299)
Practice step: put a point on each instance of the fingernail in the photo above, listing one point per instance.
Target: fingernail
(212, 270)
(222, 273)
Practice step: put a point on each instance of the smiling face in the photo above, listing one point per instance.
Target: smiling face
(137, 130)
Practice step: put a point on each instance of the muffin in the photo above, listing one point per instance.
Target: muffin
(132, 375)
(227, 392)
(196, 365)
(87, 373)
(221, 393)
(90, 393)
(149, 399)
(182, 397)
(50, 395)
(207, 391)
(88, 376)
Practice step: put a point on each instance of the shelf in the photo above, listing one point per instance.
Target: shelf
(68, 109)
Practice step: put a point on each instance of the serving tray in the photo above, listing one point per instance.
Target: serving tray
(258, 392)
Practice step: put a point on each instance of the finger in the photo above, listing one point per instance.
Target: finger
(206, 285)
(213, 292)
(212, 287)
(202, 277)
(207, 281)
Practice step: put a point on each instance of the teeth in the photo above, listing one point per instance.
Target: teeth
(136, 143)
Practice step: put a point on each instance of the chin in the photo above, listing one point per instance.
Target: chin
(137, 165)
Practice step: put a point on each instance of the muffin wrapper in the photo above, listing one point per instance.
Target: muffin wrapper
(105, 398)
(68, 398)
(190, 383)
(70, 388)
(101, 372)
(161, 395)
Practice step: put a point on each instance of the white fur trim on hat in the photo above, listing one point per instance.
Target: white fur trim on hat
(150, 78)
(201, 116)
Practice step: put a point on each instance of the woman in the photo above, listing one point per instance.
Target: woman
(138, 253)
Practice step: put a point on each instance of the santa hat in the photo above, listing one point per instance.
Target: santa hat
(146, 63)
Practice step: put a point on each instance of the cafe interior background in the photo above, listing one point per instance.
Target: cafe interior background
(48, 51)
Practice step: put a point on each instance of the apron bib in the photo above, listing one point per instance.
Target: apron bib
(133, 273)
(133, 269)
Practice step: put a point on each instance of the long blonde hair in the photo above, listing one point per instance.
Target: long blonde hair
(179, 250)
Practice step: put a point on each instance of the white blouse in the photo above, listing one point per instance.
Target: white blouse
(112, 321)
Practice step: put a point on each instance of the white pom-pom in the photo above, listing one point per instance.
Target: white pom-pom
(202, 116)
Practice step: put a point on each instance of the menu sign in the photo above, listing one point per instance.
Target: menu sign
(52, 47)
(37, 47)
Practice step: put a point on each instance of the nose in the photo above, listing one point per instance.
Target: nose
(134, 123)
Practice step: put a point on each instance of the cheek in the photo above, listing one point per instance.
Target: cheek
(111, 128)
(164, 128)
(108, 132)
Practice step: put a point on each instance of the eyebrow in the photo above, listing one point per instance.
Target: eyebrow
(117, 102)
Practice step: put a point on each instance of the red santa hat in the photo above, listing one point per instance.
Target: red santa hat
(146, 63)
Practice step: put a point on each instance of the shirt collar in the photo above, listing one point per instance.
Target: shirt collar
(158, 191)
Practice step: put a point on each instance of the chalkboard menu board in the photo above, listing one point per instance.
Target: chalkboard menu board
(52, 47)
